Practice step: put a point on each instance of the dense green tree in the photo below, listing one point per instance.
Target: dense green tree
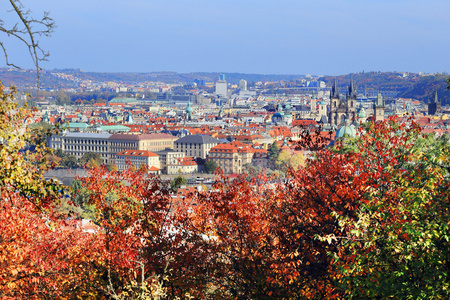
(177, 182)
(80, 195)
(91, 159)
(66, 160)
(62, 98)
(111, 167)
(210, 166)
(274, 151)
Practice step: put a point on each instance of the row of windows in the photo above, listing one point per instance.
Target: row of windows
(122, 144)
(83, 141)
(199, 146)
(85, 148)
(75, 153)
(159, 143)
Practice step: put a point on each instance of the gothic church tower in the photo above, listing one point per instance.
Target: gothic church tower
(340, 110)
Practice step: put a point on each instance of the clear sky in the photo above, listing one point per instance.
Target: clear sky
(266, 36)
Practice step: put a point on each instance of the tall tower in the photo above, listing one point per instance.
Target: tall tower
(189, 111)
(313, 104)
(287, 114)
(351, 101)
(378, 108)
(334, 103)
(243, 85)
(433, 104)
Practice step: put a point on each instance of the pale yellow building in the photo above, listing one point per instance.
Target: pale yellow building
(137, 158)
(150, 142)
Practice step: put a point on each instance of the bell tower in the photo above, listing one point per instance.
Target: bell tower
(334, 104)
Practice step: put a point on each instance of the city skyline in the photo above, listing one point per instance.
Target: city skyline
(262, 37)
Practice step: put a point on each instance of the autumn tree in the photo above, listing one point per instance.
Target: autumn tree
(66, 160)
(40, 254)
(397, 244)
(91, 159)
(346, 224)
(233, 222)
(297, 160)
(145, 236)
(282, 161)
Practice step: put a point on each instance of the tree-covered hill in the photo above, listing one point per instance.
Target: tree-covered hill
(407, 85)
(423, 89)
(372, 82)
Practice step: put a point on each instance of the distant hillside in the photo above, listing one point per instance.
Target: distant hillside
(173, 77)
(408, 85)
(426, 85)
(27, 78)
(235, 77)
(371, 82)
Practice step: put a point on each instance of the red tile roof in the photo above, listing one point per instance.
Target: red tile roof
(141, 153)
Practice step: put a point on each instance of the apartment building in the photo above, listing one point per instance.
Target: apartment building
(137, 158)
(168, 156)
(108, 145)
(184, 165)
(231, 157)
(197, 145)
(79, 143)
(151, 142)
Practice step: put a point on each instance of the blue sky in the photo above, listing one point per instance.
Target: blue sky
(247, 36)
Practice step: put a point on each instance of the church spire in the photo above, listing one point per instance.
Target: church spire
(433, 104)
(352, 89)
(435, 97)
(334, 89)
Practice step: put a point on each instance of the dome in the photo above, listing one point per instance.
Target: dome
(362, 113)
(277, 117)
(347, 130)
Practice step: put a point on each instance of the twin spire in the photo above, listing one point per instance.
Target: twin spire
(351, 89)
(335, 90)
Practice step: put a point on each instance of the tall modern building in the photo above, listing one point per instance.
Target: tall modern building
(243, 85)
(222, 88)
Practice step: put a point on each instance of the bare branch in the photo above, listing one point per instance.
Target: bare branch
(27, 30)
